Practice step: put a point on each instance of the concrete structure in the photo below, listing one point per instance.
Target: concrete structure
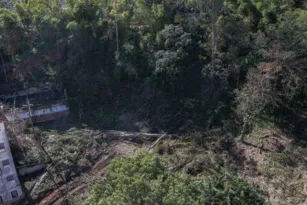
(36, 104)
(41, 113)
(10, 188)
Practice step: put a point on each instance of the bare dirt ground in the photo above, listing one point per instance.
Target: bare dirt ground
(270, 160)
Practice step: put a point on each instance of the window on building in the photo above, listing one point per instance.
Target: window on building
(6, 162)
(10, 178)
(1, 200)
(2, 145)
(14, 194)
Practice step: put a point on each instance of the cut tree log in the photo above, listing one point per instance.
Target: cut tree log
(114, 135)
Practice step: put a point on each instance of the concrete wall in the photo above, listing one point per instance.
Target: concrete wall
(42, 113)
(35, 112)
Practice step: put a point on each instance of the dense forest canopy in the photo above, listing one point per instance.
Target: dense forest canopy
(183, 66)
(222, 55)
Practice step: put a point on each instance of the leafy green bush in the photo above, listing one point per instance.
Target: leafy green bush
(290, 158)
(145, 179)
(225, 188)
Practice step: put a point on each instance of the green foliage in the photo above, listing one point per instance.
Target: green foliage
(4, 4)
(145, 179)
(258, 14)
(290, 158)
(11, 31)
(64, 148)
(9, 20)
(227, 61)
(141, 13)
(178, 67)
(226, 188)
(277, 85)
(177, 59)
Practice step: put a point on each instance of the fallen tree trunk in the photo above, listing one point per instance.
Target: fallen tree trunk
(134, 136)
(156, 142)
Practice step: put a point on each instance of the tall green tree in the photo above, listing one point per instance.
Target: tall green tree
(177, 67)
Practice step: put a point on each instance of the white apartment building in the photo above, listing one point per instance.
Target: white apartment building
(10, 188)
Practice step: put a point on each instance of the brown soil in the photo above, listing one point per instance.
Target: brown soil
(256, 165)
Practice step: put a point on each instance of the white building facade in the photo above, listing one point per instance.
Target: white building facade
(10, 188)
